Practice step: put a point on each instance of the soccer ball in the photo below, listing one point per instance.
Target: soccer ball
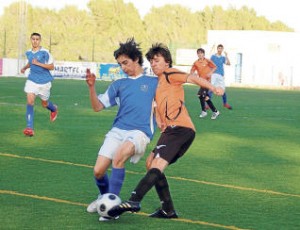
(105, 202)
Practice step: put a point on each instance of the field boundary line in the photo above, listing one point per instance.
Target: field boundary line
(45, 160)
(45, 198)
(7, 192)
(237, 187)
(171, 177)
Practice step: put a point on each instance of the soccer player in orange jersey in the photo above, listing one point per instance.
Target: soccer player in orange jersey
(205, 68)
(177, 132)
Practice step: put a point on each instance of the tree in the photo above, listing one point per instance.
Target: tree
(115, 22)
(72, 34)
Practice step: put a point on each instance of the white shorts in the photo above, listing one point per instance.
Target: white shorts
(41, 90)
(217, 80)
(115, 137)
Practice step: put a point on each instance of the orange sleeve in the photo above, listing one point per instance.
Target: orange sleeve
(177, 77)
(193, 68)
(211, 64)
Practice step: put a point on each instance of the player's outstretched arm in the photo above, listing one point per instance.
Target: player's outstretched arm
(194, 79)
(91, 80)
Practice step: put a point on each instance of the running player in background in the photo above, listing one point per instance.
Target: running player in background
(133, 127)
(217, 78)
(178, 132)
(205, 68)
(40, 62)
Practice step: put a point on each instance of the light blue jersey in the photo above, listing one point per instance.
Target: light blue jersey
(39, 74)
(135, 97)
(219, 62)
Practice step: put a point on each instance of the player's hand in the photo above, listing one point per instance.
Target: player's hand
(162, 127)
(23, 70)
(208, 77)
(219, 91)
(90, 78)
(35, 61)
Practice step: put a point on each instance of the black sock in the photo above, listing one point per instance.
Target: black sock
(145, 184)
(211, 106)
(202, 103)
(162, 189)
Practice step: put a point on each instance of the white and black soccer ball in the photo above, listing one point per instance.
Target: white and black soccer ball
(105, 202)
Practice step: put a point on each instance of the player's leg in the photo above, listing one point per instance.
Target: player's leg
(101, 179)
(214, 82)
(202, 95)
(219, 81)
(185, 137)
(104, 159)
(167, 210)
(30, 89)
(225, 104)
(117, 176)
(100, 174)
(215, 113)
(134, 146)
(44, 94)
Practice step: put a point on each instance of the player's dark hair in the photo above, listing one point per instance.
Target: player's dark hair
(201, 50)
(36, 34)
(160, 49)
(220, 45)
(131, 49)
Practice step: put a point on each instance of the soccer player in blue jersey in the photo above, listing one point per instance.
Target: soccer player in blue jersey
(217, 78)
(134, 124)
(40, 62)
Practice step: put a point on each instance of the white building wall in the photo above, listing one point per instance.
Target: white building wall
(269, 58)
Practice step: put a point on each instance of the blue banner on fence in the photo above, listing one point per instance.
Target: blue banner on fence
(111, 72)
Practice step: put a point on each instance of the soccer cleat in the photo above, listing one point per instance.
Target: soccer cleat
(226, 105)
(126, 206)
(28, 132)
(102, 218)
(92, 208)
(215, 115)
(53, 115)
(163, 214)
(203, 114)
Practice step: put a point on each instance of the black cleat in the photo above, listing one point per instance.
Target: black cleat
(126, 206)
(163, 214)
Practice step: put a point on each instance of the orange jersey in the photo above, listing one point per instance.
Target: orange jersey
(203, 67)
(170, 99)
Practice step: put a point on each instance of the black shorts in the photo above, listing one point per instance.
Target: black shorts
(203, 92)
(173, 143)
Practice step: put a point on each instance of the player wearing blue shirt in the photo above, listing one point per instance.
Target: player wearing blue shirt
(134, 124)
(217, 78)
(40, 62)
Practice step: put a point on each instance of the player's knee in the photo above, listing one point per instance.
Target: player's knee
(118, 162)
(203, 94)
(45, 104)
(98, 173)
